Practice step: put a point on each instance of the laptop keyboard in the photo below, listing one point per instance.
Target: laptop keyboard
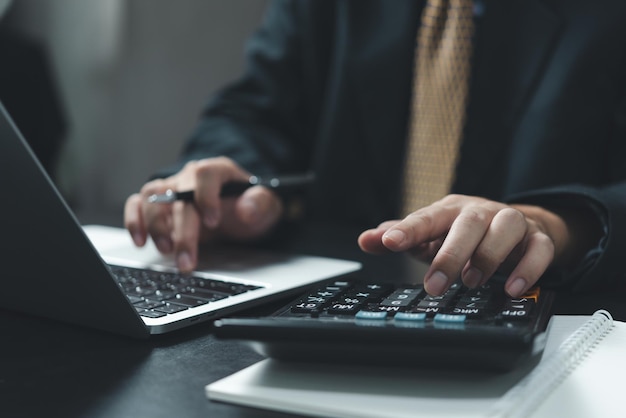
(156, 293)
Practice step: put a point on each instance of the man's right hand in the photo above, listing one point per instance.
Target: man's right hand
(177, 228)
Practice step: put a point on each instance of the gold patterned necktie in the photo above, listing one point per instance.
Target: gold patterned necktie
(440, 91)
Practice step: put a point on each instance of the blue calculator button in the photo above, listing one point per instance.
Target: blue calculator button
(449, 318)
(371, 315)
(410, 316)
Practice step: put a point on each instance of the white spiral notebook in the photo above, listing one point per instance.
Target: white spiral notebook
(580, 375)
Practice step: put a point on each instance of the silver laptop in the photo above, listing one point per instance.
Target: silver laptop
(94, 276)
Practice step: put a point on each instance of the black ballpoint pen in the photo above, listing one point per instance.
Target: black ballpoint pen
(278, 183)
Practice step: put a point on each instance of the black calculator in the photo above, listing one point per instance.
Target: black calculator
(349, 321)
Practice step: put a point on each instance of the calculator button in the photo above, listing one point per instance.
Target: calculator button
(401, 297)
(354, 300)
(474, 300)
(479, 292)
(473, 313)
(517, 309)
(381, 308)
(342, 308)
(372, 290)
(342, 284)
(396, 302)
(432, 304)
(414, 292)
(514, 314)
(307, 307)
(429, 312)
(410, 316)
(450, 318)
(533, 293)
(326, 293)
(371, 315)
(465, 304)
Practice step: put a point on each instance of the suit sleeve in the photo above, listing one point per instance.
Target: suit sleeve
(263, 120)
(601, 267)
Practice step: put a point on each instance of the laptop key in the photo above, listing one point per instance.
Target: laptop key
(170, 308)
(151, 314)
(223, 287)
(187, 301)
(163, 295)
(146, 304)
(141, 291)
(205, 294)
(134, 299)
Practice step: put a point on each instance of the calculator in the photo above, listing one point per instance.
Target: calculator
(350, 321)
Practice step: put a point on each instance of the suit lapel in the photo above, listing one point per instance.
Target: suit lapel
(514, 43)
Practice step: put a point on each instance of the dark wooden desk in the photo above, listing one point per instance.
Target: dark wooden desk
(53, 369)
(49, 369)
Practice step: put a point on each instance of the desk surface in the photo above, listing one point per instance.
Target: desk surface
(52, 369)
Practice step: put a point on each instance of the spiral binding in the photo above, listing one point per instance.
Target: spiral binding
(528, 394)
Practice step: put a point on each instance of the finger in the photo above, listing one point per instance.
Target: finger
(185, 235)
(536, 259)
(133, 220)
(210, 176)
(507, 229)
(251, 215)
(157, 217)
(259, 208)
(464, 236)
(371, 240)
(423, 225)
(426, 251)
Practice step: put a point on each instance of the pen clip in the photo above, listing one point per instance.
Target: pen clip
(281, 183)
(168, 197)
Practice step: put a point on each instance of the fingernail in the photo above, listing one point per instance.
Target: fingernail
(250, 211)
(164, 245)
(137, 238)
(209, 218)
(396, 236)
(472, 277)
(183, 260)
(436, 284)
(517, 287)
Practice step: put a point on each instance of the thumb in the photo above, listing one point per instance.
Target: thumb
(255, 212)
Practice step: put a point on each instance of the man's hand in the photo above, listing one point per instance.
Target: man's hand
(474, 237)
(179, 227)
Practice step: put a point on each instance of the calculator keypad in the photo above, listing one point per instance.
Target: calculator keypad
(402, 304)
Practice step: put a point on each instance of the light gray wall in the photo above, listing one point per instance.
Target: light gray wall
(133, 75)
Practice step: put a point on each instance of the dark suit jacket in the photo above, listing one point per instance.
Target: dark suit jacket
(327, 89)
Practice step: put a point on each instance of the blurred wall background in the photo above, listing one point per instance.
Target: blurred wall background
(132, 76)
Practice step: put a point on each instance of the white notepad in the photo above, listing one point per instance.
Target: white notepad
(590, 385)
